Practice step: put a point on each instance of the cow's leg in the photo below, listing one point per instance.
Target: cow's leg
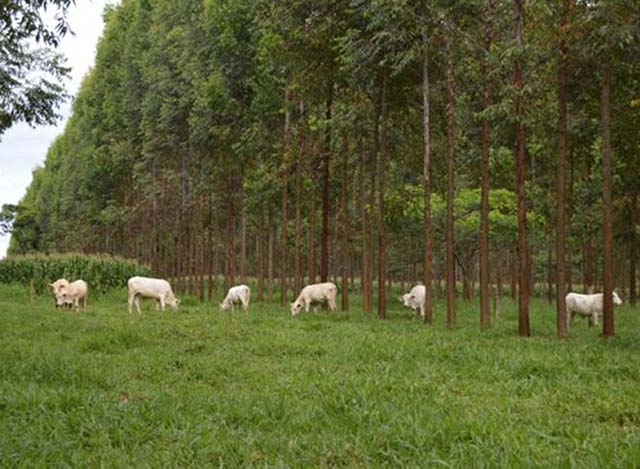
(130, 301)
(332, 305)
(245, 305)
(137, 300)
(595, 319)
(307, 304)
(162, 303)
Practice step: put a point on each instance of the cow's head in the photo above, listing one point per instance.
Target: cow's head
(172, 301)
(407, 299)
(224, 306)
(616, 299)
(295, 308)
(63, 299)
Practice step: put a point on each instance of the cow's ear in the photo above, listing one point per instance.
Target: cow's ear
(51, 285)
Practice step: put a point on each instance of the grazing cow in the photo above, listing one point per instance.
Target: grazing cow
(55, 287)
(237, 294)
(74, 293)
(155, 288)
(589, 306)
(314, 294)
(415, 299)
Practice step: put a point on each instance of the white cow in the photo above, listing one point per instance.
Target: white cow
(589, 306)
(237, 294)
(314, 294)
(73, 293)
(55, 287)
(415, 299)
(156, 288)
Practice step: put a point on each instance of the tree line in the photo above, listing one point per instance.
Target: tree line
(485, 143)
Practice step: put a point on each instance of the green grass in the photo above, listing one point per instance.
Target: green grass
(198, 387)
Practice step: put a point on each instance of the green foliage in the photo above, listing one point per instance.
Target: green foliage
(198, 388)
(101, 272)
(30, 77)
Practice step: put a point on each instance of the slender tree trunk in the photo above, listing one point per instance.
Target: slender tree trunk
(297, 279)
(284, 242)
(326, 208)
(426, 185)
(633, 254)
(243, 243)
(364, 225)
(346, 225)
(549, 272)
(561, 311)
(484, 190)
(451, 142)
(382, 242)
(260, 255)
(311, 249)
(270, 249)
(608, 274)
(523, 298)
(230, 228)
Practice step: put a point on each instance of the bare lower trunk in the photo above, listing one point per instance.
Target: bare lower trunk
(426, 185)
(297, 278)
(326, 157)
(633, 254)
(382, 296)
(284, 216)
(449, 238)
(607, 228)
(523, 252)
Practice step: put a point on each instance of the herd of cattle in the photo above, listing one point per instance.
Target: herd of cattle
(74, 294)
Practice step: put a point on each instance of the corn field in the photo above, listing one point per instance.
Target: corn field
(101, 272)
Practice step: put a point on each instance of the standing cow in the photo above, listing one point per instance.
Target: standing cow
(589, 306)
(415, 299)
(73, 294)
(156, 288)
(314, 294)
(238, 294)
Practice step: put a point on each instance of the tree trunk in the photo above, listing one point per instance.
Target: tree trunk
(229, 276)
(243, 243)
(549, 272)
(326, 208)
(346, 226)
(633, 254)
(561, 312)
(451, 142)
(297, 279)
(484, 190)
(523, 289)
(607, 228)
(270, 261)
(364, 225)
(284, 242)
(311, 248)
(426, 185)
(260, 255)
(382, 296)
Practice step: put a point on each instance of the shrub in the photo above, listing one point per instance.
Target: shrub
(102, 272)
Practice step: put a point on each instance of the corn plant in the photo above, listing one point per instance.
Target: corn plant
(101, 272)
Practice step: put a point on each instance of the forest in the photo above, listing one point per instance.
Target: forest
(483, 147)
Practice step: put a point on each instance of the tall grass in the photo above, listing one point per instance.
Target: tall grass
(102, 272)
(201, 388)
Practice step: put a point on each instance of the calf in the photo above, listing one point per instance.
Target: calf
(74, 293)
(237, 294)
(314, 294)
(415, 299)
(155, 288)
(589, 306)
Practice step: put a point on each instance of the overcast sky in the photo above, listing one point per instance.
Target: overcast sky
(23, 148)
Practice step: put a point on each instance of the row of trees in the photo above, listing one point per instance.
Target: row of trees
(373, 141)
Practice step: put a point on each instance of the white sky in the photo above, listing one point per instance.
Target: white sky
(23, 148)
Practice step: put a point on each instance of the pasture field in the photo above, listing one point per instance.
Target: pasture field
(203, 388)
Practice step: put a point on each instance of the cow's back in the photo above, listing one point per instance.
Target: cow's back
(146, 286)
